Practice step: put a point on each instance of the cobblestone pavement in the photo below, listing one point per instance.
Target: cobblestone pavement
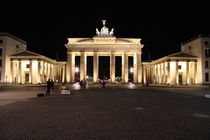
(109, 114)
(12, 94)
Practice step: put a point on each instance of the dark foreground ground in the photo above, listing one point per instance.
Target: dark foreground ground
(109, 114)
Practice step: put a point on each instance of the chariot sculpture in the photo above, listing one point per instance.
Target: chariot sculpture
(104, 30)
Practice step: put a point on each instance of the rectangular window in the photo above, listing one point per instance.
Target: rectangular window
(206, 63)
(0, 51)
(179, 66)
(0, 63)
(206, 77)
(206, 53)
(1, 41)
(206, 42)
(27, 65)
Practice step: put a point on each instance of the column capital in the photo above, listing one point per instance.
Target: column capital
(70, 52)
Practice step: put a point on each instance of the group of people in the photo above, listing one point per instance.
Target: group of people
(103, 83)
(83, 84)
(50, 86)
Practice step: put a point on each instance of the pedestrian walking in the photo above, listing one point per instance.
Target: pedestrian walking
(49, 85)
(103, 83)
(81, 84)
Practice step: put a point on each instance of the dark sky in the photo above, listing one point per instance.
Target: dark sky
(45, 26)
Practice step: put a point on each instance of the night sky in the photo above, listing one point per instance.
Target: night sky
(45, 26)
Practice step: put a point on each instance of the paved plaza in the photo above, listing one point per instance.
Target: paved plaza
(126, 112)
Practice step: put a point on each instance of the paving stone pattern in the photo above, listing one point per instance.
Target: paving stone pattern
(108, 114)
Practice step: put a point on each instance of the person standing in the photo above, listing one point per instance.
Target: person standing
(81, 84)
(84, 83)
(49, 85)
(103, 83)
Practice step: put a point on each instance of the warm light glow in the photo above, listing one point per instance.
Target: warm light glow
(87, 77)
(76, 69)
(131, 70)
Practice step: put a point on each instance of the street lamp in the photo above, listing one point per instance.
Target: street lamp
(131, 70)
(130, 75)
(76, 69)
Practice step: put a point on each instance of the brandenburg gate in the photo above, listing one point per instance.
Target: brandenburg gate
(104, 44)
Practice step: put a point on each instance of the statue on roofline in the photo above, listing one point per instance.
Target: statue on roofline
(104, 30)
(104, 22)
(97, 32)
(111, 33)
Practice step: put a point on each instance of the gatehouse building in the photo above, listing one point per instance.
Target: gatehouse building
(17, 65)
(104, 44)
(188, 67)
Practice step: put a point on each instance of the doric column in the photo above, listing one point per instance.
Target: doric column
(126, 68)
(72, 68)
(57, 77)
(31, 70)
(63, 74)
(187, 73)
(176, 74)
(53, 72)
(19, 72)
(135, 68)
(158, 77)
(60, 75)
(159, 68)
(82, 66)
(123, 68)
(68, 68)
(195, 74)
(168, 73)
(11, 70)
(46, 71)
(35, 72)
(38, 72)
(144, 74)
(50, 71)
(85, 65)
(139, 67)
(43, 74)
(95, 67)
(161, 73)
(164, 73)
(14, 72)
(52, 77)
(112, 68)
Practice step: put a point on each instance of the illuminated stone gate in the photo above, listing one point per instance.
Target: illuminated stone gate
(104, 44)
